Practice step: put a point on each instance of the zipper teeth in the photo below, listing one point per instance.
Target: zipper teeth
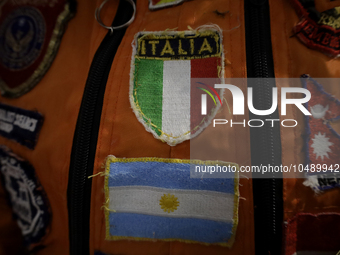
(267, 192)
(82, 152)
(86, 134)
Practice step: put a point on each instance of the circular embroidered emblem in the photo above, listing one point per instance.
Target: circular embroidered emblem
(169, 203)
(22, 36)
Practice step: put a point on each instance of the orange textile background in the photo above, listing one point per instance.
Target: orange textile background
(57, 97)
(122, 135)
(292, 59)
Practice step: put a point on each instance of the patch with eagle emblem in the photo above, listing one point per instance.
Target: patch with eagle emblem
(30, 34)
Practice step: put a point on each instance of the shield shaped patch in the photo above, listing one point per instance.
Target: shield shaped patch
(169, 92)
(26, 196)
(30, 34)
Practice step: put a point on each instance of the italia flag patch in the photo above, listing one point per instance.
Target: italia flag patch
(166, 88)
(155, 199)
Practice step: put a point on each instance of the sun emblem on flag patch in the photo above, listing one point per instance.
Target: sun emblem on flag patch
(169, 203)
(166, 70)
(321, 146)
(322, 141)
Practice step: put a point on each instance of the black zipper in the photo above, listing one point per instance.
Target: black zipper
(86, 135)
(265, 141)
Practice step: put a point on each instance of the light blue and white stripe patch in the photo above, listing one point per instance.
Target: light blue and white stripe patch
(152, 198)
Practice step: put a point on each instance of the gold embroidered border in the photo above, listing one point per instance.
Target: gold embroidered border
(112, 159)
(51, 51)
(180, 35)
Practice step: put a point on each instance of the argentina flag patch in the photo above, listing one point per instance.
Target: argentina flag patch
(149, 199)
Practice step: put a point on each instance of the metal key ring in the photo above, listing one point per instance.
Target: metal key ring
(111, 28)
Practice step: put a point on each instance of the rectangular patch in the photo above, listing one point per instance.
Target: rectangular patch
(313, 234)
(155, 199)
(20, 125)
(26, 197)
(165, 88)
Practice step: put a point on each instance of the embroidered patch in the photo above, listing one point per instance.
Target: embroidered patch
(20, 125)
(26, 196)
(164, 94)
(309, 234)
(30, 34)
(322, 141)
(155, 199)
(319, 31)
(157, 4)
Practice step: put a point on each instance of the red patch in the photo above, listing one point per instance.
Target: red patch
(30, 35)
(325, 109)
(313, 233)
(316, 36)
(203, 68)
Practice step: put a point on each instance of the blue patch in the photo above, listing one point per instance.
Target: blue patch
(166, 176)
(22, 36)
(26, 196)
(155, 199)
(20, 125)
(140, 225)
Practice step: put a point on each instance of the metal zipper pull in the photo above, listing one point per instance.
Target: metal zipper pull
(111, 28)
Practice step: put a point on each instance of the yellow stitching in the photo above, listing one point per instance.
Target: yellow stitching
(107, 208)
(167, 48)
(117, 238)
(192, 46)
(183, 35)
(235, 217)
(180, 50)
(106, 190)
(112, 159)
(205, 46)
(180, 58)
(143, 50)
(153, 43)
(94, 175)
(171, 29)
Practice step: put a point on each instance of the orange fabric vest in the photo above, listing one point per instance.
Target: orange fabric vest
(58, 98)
